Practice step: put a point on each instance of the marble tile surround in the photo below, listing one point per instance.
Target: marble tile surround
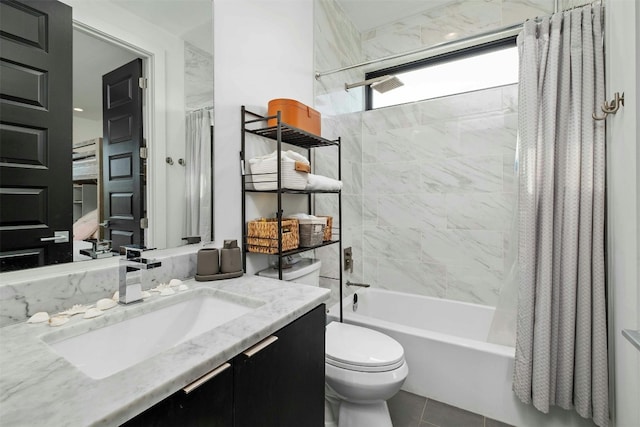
(457, 19)
(347, 127)
(337, 44)
(438, 199)
(55, 288)
(198, 77)
(438, 173)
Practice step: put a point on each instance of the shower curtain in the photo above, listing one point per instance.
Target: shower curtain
(199, 207)
(561, 344)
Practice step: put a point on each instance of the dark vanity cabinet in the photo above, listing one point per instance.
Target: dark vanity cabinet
(282, 383)
(206, 402)
(279, 382)
(210, 404)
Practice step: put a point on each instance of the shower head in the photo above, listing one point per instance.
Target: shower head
(391, 82)
(381, 84)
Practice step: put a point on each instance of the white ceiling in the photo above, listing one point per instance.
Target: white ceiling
(191, 20)
(369, 14)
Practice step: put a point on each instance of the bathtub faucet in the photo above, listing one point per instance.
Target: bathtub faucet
(360, 285)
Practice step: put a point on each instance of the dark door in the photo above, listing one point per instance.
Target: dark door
(282, 385)
(35, 133)
(123, 170)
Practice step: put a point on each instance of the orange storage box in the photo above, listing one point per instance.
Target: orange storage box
(296, 114)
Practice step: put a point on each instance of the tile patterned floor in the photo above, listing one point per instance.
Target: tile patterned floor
(411, 410)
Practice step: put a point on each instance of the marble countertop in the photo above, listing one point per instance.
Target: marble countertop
(40, 388)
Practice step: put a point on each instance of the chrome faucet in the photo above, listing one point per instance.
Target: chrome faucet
(130, 262)
(99, 249)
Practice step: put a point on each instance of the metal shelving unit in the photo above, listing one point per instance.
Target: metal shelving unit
(283, 133)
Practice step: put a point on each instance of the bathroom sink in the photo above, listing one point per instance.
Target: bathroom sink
(100, 353)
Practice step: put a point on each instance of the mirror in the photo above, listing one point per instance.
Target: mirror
(174, 40)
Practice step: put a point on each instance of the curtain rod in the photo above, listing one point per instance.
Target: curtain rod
(210, 107)
(449, 46)
(440, 48)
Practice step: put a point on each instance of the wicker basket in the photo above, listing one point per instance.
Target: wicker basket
(262, 235)
(328, 229)
(311, 232)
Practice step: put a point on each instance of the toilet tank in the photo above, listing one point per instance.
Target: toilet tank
(306, 271)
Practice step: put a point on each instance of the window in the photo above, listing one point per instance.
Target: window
(476, 68)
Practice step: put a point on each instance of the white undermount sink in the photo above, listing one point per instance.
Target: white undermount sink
(103, 352)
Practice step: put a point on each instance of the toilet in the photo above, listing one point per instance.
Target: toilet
(363, 368)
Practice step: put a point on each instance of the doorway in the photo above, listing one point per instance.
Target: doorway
(94, 56)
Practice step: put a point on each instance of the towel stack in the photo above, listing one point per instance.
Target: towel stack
(295, 170)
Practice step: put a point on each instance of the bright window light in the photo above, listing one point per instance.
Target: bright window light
(480, 71)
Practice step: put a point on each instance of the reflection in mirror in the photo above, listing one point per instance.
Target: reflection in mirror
(112, 219)
(162, 202)
(93, 58)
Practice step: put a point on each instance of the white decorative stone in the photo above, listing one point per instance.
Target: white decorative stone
(75, 309)
(58, 320)
(39, 317)
(93, 312)
(105, 304)
(166, 292)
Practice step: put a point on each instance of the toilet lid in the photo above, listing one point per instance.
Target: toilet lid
(361, 349)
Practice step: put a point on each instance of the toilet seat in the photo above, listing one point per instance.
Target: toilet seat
(360, 349)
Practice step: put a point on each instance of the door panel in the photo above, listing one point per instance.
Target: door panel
(22, 146)
(35, 132)
(24, 85)
(23, 24)
(123, 170)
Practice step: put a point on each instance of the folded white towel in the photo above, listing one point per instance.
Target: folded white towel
(296, 156)
(290, 155)
(319, 182)
(264, 171)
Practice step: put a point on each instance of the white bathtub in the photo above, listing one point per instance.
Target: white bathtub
(448, 356)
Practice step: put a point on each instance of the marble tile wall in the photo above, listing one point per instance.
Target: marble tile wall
(457, 19)
(438, 194)
(337, 44)
(347, 127)
(198, 77)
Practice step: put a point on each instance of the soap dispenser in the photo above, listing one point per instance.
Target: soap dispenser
(230, 257)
